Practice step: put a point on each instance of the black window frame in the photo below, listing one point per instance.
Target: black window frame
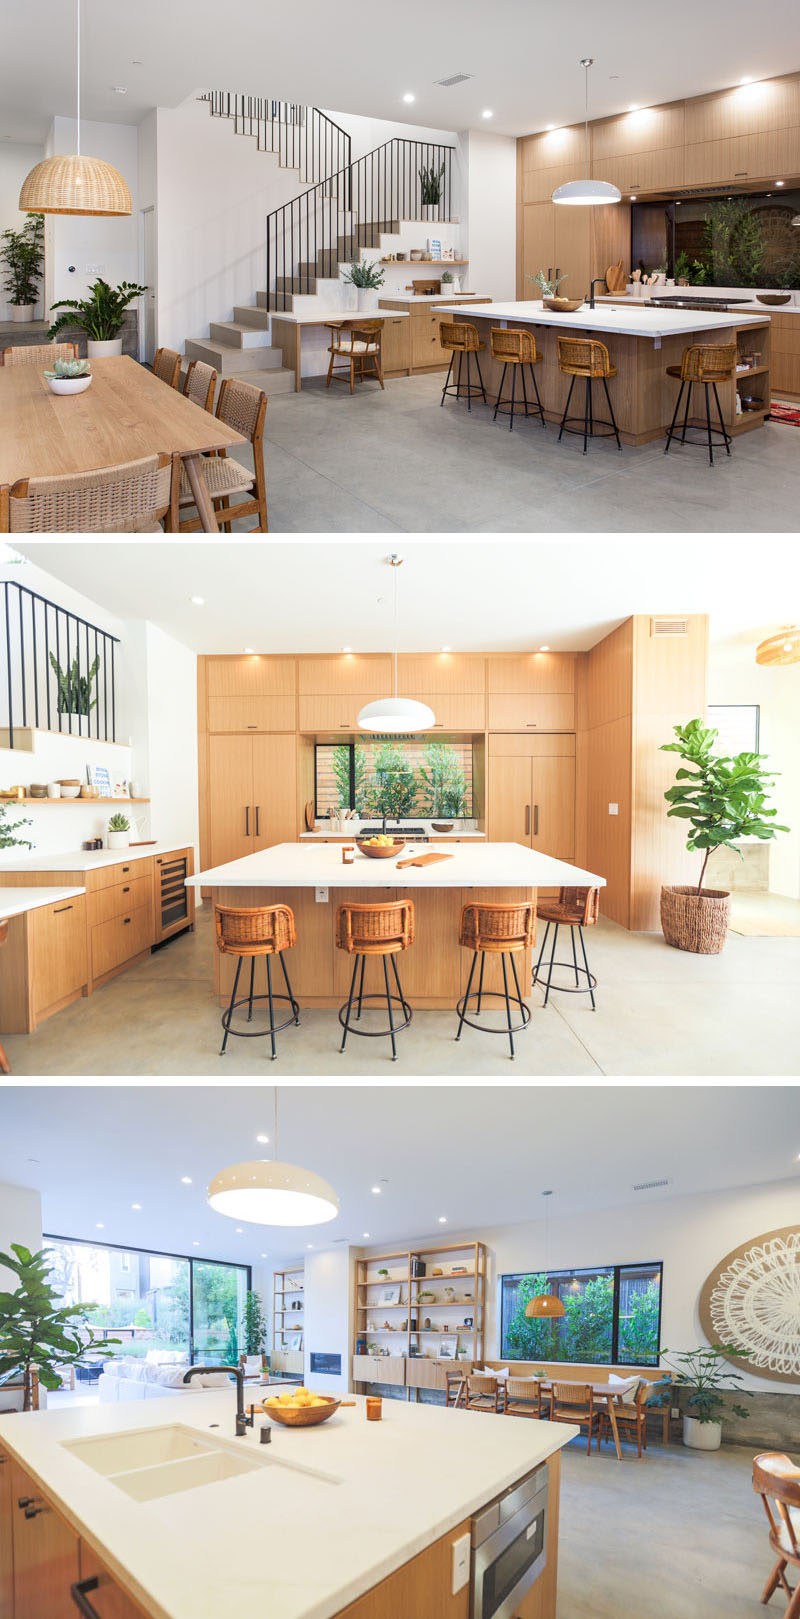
(352, 752)
(594, 1270)
(159, 1253)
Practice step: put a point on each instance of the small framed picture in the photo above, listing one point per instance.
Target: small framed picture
(297, 1341)
(389, 1295)
(448, 1348)
(434, 247)
(468, 1321)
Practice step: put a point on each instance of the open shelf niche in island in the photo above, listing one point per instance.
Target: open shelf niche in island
(397, 1293)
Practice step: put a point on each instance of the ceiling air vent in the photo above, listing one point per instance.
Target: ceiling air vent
(650, 1186)
(455, 78)
(669, 626)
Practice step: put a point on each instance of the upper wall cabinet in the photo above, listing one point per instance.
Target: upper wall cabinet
(752, 157)
(644, 171)
(553, 147)
(537, 673)
(445, 672)
(348, 674)
(538, 185)
(751, 109)
(251, 693)
(646, 130)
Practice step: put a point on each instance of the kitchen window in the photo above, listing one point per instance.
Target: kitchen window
(398, 779)
(612, 1315)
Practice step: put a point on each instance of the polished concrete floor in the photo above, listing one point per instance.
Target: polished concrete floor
(394, 462)
(679, 1535)
(660, 1012)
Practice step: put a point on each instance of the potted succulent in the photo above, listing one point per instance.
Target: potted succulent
(101, 316)
(430, 191)
(707, 1377)
(22, 253)
(119, 831)
(724, 799)
(366, 278)
(68, 376)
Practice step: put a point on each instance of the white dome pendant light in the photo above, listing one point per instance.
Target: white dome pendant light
(398, 716)
(268, 1192)
(586, 193)
(75, 184)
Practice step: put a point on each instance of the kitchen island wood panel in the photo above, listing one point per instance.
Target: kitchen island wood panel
(422, 1586)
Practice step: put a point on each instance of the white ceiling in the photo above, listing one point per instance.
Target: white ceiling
(436, 1150)
(524, 57)
(477, 595)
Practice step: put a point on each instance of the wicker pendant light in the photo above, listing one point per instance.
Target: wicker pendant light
(545, 1306)
(75, 184)
(586, 193)
(781, 648)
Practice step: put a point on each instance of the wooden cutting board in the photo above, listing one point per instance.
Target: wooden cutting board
(424, 860)
(309, 815)
(615, 277)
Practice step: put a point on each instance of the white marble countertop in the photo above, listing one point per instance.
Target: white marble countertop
(320, 319)
(294, 1542)
(428, 298)
(13, 901)
(648, 321)
(473, 865)
(87, 859)
(353, 830)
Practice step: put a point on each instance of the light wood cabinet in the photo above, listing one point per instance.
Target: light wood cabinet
(108, 1599)
(252, 792)
(46, 1559)
(58, 951)
(251, 675)
(6, 1542)
(532, 794)
(426, 348)
(422, 1586)
(120, 939)
(122, 898)
(534, 673)
(396, 342)
(449, 673)
(337, 713)
(534, 713)
(251, 713)
(467, 713)
(348, 675)
(274, 790)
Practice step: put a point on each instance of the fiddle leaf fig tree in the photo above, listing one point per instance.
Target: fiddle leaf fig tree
(723, 797)
(37, 1331)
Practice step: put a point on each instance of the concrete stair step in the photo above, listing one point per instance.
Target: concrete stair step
(277, 381)
(238, 334)
(246, 315)
(228, 360)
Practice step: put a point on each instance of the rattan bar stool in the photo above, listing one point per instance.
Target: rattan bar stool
(518, 350)
(375, 930)
(708, 364)
(585, 357)
(574, 908)
(501, 930)
(461, 339)
(247, 932)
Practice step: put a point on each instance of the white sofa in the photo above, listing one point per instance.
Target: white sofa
(158, 1375)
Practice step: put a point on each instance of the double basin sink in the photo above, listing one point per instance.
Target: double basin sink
(148, 1463)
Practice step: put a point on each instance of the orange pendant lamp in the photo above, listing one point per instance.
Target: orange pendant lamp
(781, 648)
(75, 184)
(545, 1306)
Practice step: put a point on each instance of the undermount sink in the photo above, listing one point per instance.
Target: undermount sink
(147, 1447)
(171, 1478)
(151, 1462)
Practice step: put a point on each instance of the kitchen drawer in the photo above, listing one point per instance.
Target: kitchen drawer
(396, 343)
(120, 900)
(426, 348)
(59, 964)
(116, 941)
(251, 713)
(455, 713)
(108, 876)
(108, 1601)
(542, 713)
(335, 713)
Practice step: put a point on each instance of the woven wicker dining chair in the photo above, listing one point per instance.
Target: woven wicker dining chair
(574, 1402)
(518, 350)
(587, 358)
(126, 499)
(200, 384)
(455, 1389)
(461, 338)
(523, 1397)
(355, 346)
(167, 367)
(776, 1478)
(248, 932)
(39, 353)
(242, 407)
(483, 1393)
(375, 930)
(502, 930)
(574, 908)
(706, 364)
(630, 1414)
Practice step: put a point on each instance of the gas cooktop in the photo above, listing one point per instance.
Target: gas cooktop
(698, 303)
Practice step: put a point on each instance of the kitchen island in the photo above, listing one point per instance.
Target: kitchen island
(311, 878)
(642, 341)
(181, 1520)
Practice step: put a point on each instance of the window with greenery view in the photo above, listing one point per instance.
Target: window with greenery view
(745, 240)
(397, 779)
(611, 1315)
(155, 1301)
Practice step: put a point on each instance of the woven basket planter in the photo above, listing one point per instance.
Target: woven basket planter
(696, 922)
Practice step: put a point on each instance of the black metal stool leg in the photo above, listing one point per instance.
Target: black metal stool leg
(591, 408)
(725, 434)
(480, 983)
(349, 1004)
(588, 974)
(508, 1003)
(252, 978)
(513, 396)
(566, 408)
(469, 383)
(447, 378)
(541, 952)
(524, 389)
(289, 987)
(500, 391)
(480, 377)
(686, 412)
(403, 1002)
(271, 1010)
(469, 987)
(613, 417)
(516, 979)
(389, 1005)
(226, 1026)
(552, 960)
(538, 396)
(708, 426)
(574, 957)
(458, 377)
(586, 415)
(674, 417)
(361, 988)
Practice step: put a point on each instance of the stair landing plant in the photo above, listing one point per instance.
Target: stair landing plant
(38, 1332)
(724, 798)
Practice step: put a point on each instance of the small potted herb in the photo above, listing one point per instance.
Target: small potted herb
(119, 831)
(430, 191)
(101, 316)
(366, 278)
(22, 254)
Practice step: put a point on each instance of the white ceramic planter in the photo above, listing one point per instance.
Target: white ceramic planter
(701, 1435)
(430, 210)
(100, 351)
(367, 298)
(68, 385)
(118, 840)
(22, 312)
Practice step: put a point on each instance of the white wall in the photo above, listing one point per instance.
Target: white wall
(735, 677)
(489, 209)
(16, 160)
(329, 1296)
(368, 133)
(96, 247)
(172, 738)
(20, 1221)
(688, 1234)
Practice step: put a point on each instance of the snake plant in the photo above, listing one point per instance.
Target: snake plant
(75, 689)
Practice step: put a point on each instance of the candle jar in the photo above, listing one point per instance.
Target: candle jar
(348, 851)
(374, 1408)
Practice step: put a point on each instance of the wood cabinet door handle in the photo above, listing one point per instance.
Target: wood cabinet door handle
(527, 820)
(536, 820)
(531, 723)
(79, 1594)
(247, 821)
(125, 870)
(126, 890)
(60, 908)
(258, 820)
(126, 922)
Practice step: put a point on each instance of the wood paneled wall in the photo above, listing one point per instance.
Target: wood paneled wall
(604, 752)
(739, 137)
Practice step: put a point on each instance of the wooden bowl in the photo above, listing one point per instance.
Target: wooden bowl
(381, 851)
(442, 826)
(303, 1416)
(563, 306)
(774, 297)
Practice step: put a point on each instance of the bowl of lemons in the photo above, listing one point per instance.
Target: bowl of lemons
(300, 1408)
(381, 846)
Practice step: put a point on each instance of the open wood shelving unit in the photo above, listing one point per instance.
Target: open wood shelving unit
(281, 1290)
(416, 1363)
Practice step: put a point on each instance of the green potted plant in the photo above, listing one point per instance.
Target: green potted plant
(430, 191)
(707, 1378)
(38, 1332)
(22, 253)
(366, 278)
(255, 1325)
(119, 831)
(725, 799)
(68, 376)
(75, 689)
(8, 828)
(101, 316)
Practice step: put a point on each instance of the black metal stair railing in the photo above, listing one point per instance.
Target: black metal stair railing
(330, 222)
(302, 138)
(59, 670)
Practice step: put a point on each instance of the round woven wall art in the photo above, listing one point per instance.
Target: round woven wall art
(751, 1300)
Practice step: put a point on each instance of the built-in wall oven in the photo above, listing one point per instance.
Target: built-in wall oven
(509, 1548)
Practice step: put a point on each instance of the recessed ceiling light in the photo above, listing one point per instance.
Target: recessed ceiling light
(634, 109)
(120, 89)
(780, 182)
(633, 198)
(239, 1231)
(745, 81)
(263, 1140)
(186, 1180)
(486, 113)
(198, 601)
(99, 1226)
(409, 97)
(347, 649)
(365, 1234)
(443, 1219)
(249, 649)
(544, 649)
(376, 1190)
(195, 1245)
(447, 649)
(136, 1207)
(309, 1244)
(549, 128)
(264, 1256)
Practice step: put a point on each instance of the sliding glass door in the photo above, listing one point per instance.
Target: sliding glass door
(219, 1305)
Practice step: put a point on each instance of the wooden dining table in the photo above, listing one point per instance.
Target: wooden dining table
(607, 1392)
(126, 414)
